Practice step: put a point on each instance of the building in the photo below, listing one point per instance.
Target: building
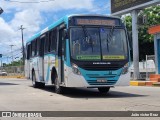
(155, 30)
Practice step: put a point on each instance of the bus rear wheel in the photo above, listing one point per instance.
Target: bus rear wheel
(104, 89)
(36, 84)
(58, 88)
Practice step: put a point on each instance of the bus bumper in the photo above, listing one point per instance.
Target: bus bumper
(123, 80)
(73, 80)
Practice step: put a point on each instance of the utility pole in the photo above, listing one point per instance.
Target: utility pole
(12, 52)
(135, 44)
(21, 28)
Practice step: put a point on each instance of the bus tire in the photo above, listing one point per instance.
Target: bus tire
(36, 84)
(53, 75)
(58, 88)
(41, 85)
(104, 89)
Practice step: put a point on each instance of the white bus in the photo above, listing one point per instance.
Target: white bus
(90, 51)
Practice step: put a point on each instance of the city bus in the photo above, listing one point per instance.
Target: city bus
(89, 51)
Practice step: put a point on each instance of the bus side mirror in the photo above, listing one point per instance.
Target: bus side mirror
(130, 40)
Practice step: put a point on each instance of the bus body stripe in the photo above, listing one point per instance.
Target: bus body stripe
(48, 66)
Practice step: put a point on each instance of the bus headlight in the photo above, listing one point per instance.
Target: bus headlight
(125, 69)
(75, 69)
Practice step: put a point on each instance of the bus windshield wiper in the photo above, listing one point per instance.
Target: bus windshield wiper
(87, 36)
(109, 37)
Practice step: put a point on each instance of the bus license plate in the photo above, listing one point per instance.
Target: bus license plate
(102, 81)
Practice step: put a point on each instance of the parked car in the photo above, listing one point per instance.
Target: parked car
(3, 73)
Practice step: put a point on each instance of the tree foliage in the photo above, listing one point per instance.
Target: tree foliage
(14, 63)
(146, 42)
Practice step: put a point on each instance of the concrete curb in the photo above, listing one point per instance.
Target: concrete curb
(144, 83)
(20, 77)
(137, 83)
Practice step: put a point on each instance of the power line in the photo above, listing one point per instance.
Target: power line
(16, 50)
(29, 1)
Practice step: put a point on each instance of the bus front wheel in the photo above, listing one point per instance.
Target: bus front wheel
(104, 89)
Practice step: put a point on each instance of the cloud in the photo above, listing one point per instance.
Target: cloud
(29, 18)
(32, 16)
(6, 31)
(55, 5)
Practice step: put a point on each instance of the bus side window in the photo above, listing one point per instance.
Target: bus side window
(49, 41)
(53, 37)
(41, 46)
(64, 43)
(33, 48)
(38, 45)
(28, 51)
(46, 43)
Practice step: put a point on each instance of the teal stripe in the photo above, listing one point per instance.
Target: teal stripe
(48, 67)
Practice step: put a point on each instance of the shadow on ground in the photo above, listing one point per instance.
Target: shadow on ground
(92, 93)
(3, 83)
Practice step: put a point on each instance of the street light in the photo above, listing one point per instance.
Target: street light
(1, 10)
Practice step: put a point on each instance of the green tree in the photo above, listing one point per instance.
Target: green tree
(146, 43)
(15, 63)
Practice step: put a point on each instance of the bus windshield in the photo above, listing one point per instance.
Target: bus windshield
(96, 43)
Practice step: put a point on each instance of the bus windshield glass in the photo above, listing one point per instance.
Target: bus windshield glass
(96, 44)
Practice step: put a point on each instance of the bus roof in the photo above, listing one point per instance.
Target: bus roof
(64, 19)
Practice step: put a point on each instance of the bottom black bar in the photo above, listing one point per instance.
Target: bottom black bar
(26, 114)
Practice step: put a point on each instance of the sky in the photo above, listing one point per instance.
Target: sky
(35, 15)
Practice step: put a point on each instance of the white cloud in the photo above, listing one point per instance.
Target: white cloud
(6, 31)
(29, 15)
(29, 18)
(47, 6)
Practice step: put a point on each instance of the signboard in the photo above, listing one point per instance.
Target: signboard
(119, 7)
(88, 57)
(94, 20)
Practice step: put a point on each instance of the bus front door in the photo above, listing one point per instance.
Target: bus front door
(61, 50)
(41, 59)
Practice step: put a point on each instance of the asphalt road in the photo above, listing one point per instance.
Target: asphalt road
(19, 95)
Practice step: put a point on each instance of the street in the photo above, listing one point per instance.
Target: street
(19, 95)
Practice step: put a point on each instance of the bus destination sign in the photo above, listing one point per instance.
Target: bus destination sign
(82, 21)
(119, 5)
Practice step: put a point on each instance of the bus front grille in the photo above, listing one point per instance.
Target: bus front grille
(101, 67)
(101, 76)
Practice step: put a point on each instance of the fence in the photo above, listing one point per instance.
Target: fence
(145, 68)
(13, 70)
